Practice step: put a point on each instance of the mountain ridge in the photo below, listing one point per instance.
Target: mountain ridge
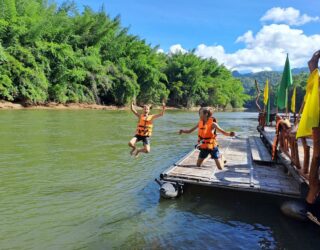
(294, 72)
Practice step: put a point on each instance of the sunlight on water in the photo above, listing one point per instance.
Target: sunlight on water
(68, 182)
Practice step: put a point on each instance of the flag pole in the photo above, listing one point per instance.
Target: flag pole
(295, 112)
(277, 93)
(268, 104)
(293, 104)
(287, 112)
(268, 110)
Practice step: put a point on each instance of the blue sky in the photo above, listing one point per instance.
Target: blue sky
(217, 24)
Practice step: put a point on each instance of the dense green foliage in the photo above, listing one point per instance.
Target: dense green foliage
(300, 77)
(54, 53)
(192, 80)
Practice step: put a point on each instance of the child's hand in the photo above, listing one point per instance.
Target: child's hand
(232, 134)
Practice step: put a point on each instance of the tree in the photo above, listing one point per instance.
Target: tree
(55, 53)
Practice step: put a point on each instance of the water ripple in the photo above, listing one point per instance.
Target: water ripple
(68, 182)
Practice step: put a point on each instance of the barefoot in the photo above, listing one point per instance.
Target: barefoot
(219, 168)
(137, 153)
(132, 151)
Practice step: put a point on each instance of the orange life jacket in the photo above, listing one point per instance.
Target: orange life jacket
(207, 137)
(145, 126)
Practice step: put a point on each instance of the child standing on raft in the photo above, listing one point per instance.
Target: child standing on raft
(207, 137)
(144, 129)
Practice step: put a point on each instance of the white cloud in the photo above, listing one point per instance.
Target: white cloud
(246, 37)
(289, 16)
(177, 48)
(216, 52)
(160, 51)
(266, 49)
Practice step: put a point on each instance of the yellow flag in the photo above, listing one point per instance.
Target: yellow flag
(310, 114)
(293, 100)
(266, 93)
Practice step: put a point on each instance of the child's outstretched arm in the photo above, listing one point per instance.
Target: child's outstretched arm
(182, 131)
(217, 127)
(162, 112)
(134, 110)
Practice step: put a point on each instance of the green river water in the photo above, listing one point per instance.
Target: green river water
(67, 181)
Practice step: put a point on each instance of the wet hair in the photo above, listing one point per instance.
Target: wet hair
(207, 111)
(147, 105)
(203, 105)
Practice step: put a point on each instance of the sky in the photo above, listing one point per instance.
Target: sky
(244, 35)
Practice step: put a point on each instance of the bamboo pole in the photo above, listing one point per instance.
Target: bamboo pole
(314, 183)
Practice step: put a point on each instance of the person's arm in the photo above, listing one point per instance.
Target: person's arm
(134, 111)
(187, 131)
(313, 63)
(162, 112)
(217, 127)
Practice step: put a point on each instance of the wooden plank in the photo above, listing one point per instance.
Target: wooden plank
(259, 152)
(269, 134)
(250, 160)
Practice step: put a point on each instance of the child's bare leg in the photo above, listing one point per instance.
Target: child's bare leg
(132, 144)
(200, 161)
(146, 149)
(219, 163)
(218, 158)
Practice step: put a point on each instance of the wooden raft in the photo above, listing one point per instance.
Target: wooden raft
(240, 172)
(259, 152)
(268, 135)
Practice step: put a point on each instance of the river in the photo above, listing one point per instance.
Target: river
(67, 181)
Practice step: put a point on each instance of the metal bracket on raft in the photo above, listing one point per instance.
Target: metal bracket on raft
(170, 190)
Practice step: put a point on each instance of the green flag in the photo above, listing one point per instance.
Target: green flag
(286, 81)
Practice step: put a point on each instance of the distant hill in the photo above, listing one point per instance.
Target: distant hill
(274, 77)
(299, 78)
(300, 70)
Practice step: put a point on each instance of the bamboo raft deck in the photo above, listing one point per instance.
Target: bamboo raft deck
(249, 168)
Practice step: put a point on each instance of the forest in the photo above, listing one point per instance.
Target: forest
(299, 75)
(56, 53)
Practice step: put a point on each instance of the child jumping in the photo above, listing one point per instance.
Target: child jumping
(207, 137)
(144, 129)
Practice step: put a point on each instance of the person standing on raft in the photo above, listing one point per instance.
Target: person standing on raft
(144, 129)
(312, 206)
(207, 137)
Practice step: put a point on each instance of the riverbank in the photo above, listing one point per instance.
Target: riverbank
(5, 105)
(53, 105)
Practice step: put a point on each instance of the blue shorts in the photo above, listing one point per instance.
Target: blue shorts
(213, 152)
(144, 139)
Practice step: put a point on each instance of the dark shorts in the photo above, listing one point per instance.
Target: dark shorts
(213, 152)
(144, 139)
